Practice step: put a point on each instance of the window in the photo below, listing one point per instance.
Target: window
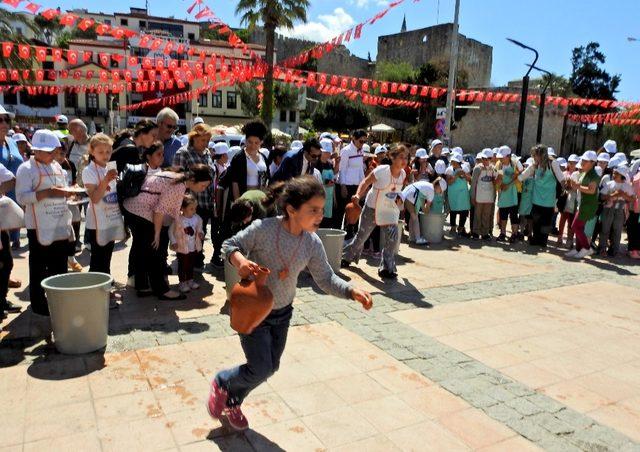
(92, 101)
(107, 21)
(71, 100)
(47, 65)
(143, 24)
(124, 22)
(10, 98)
(283, 115)
(232, 101)
(216, 99)
(202, 100)
(292, 116)
(191, 36)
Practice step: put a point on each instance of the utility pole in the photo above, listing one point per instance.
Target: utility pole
(453, 69)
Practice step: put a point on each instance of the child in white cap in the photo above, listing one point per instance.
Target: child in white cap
(508, 194)
(417, 198)
(483, 196)
(571, 203)
(616, 193)
(458, 195)
(587, 187)
(526, 203)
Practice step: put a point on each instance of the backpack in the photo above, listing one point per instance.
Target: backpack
(130, 182)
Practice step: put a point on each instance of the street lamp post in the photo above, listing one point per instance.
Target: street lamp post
(453, 68)
(543, 100)
(525, 93)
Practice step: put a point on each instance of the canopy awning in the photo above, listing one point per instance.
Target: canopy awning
(382, 128)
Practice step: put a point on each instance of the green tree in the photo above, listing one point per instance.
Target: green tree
(558, 85)
(273, 14)
(393, 71)
(626, 137)
(341, 114)
(589, 79)
(48, 29)
(285, 97)
(7, 33)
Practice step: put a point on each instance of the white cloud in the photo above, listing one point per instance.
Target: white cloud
(366, 3)
(326, 27)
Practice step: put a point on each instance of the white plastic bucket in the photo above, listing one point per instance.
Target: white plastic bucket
(333, 242)
(231, 277)
(79, 307)
(432, 227)
(383, 240)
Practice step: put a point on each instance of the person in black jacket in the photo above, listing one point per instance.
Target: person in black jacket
(299, 163)
(129, 144)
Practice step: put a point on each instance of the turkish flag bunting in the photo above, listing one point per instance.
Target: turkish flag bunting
(24, 51)
(103, 29)
(41, 54)
(68, 19)
(50, 13)
(33, 8)
(85, 24)
(57, 54)
(86, 56)
(7, 47)
(358, 31)
(72, 57)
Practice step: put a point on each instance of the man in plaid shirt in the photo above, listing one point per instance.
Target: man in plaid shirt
(194, 153)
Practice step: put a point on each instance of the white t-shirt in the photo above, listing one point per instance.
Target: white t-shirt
(189, 226)
(90, 176)
(253, 171)
(5, 174)
(150, 171)
(383, 180)
(425, 188)
(611, 186)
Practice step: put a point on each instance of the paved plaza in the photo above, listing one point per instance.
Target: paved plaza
(491, 348)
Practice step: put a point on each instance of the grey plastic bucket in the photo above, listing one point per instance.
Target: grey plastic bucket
(79, 307)
(432, 227)
(231, 277)
(333, 242)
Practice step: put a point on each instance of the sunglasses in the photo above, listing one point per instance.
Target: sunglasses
(362, 141)
(5, 120)
(171, 126)
(315, 156)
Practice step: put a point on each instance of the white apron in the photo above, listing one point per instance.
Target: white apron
(76, 216)
(52, 215)
(107, 215)
(387, 212)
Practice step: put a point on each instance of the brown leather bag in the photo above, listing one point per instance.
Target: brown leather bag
(251, 302)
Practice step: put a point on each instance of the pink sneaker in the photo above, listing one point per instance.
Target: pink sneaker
(217, 400)
(634, 254)
(236, 418)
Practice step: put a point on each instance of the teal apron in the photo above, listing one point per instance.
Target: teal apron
(508, 197)
(458, 196)
(526, 198)
(544, 188)
(327, 176)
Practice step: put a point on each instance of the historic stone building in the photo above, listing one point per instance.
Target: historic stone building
(433, 44)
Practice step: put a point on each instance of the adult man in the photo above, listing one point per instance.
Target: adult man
(62, 122)
(167, 121)
(351, 173)
(79, 147)
(10, 157)
(299, 162)
(435, 153)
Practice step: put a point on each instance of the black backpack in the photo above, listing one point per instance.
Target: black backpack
(130, 182)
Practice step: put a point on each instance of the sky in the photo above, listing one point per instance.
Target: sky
(553, 27)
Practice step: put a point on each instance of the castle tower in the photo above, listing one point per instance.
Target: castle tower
(403, 29)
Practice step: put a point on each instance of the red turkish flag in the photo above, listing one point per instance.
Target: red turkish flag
(89, 75)
(50, 13)
(3, 75)
(144, 41)
(7, 47)
(115, 75)
(104, 76)
(140, 74)
(155, 45)
(132, 61)
(358, 31)
(414, 90)
(85, 24)
(104, 59)
(72, 57)
(68, 19)
(127, 75)
(39, 75)
(384, 87)
(24, 51)
(86, 56)
(41, 54)
(103, 29)
(33, 8)
(168, 48)
(118, 32)
(77, 75)
(57, 54)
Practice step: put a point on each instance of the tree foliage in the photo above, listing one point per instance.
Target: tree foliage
(273, 14)
(285, 97)
(340, 114)
(626, 137)
(558, 85)
(7, 33)
(588, 77)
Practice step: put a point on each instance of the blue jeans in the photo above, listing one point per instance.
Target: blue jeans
(263, 349)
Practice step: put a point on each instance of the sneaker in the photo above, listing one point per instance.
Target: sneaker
(217, 401)
(344, 263)
(585, 252)
(487, 237)
(571, 253)
(387, 274)
(236, 419)
(634, 255)
(9, 307)
(421, 241)
(184, 287)
(74, 266)
(194, 285)
(464, 234)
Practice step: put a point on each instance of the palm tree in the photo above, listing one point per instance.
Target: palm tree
(273, 14)
(8, 20)
(558, 84)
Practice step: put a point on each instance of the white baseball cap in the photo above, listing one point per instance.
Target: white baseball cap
(623, 170)
(45, 140)
(610, 146)
(434, 143)
(18, 137)
(442, 183)
(326, 145)
(326, 135)
(380, 149)
(441, 167)
(11, 133)
(590, 155)
(621, 156)
(495, 150)
(487, 153)
(422, 153)
(456, 158)
(504, 151)
(198, 120)
(466, 167)
(573, 158)
(457, 150)
(296, 145)
(603, 157)
(62, 119)
(561, 161)
(479, 156)
(366, 148)
(5, 112)
(551, 152)
(221, 148)
(446, 151)
(614, 162)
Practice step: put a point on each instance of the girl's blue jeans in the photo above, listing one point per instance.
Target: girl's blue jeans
(262, 349)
